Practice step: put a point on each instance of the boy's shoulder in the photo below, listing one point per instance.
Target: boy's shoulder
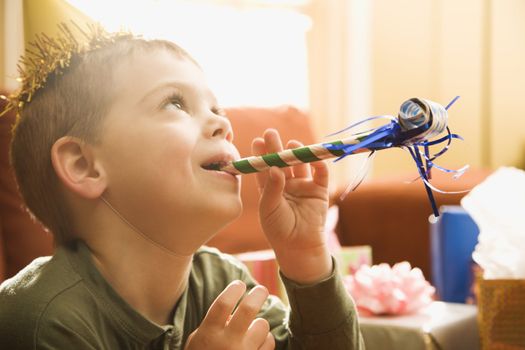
(40, 281)
(41, 292)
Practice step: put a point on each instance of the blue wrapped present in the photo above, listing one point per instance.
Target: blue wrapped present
(453, 238)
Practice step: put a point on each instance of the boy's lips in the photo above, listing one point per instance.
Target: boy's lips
(216, 162)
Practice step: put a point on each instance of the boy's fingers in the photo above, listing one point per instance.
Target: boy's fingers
(320, 173)
(258, 332)
(221, 309)
(300, 170)
(273, 191)
(269, 343)
(258, 149)
(247, 310)
(273, 144)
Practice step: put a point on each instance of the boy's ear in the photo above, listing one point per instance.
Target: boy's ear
(76, 166)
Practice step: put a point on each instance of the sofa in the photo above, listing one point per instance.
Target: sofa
(393, 217)
(386, 214)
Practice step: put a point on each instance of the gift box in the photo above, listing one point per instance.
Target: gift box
(263, 267)
(453, 238)
(501, 318)
(443, 326)
(350, 259)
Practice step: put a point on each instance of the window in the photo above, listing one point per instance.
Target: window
(253, 52)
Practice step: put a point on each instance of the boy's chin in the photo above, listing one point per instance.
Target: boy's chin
(231, 213)
(226, 215)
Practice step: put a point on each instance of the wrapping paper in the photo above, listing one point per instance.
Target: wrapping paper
(497, 205)
(439, 326)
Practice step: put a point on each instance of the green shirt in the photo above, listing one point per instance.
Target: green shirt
(63, 302)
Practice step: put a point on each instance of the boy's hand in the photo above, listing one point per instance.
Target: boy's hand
(293, 210)
(240, 331)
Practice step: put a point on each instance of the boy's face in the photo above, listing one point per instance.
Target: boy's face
(163, 126)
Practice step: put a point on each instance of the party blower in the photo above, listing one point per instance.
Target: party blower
(418, 121)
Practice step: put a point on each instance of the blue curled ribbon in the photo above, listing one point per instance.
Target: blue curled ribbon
(394, 135)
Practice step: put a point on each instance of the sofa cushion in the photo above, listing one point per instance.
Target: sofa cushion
(2, 253)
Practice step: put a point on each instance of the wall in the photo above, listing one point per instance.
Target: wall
(434, 50)
(13, 42)
(2, 41)
(339, 72)
(439, 49)
(507, 83)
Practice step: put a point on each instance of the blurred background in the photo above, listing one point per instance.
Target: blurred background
(338, 60)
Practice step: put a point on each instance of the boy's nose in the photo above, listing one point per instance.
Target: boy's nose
(219, 126)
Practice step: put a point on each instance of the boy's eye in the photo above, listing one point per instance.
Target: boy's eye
(177, 104)
(218, 111)
(176, 101)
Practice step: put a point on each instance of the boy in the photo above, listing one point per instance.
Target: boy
(112, 152)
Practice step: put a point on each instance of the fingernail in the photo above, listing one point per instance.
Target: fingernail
(237, 283)
(260, 291)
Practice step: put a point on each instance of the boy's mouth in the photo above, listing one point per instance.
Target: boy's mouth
(218, 162)
(214, 166)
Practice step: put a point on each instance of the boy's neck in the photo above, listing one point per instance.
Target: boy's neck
(150, 280)
(147, 276)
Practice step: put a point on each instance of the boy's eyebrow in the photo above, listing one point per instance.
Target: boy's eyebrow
(181, 85)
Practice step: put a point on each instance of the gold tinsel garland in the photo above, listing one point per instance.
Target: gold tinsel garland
(47, 56)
